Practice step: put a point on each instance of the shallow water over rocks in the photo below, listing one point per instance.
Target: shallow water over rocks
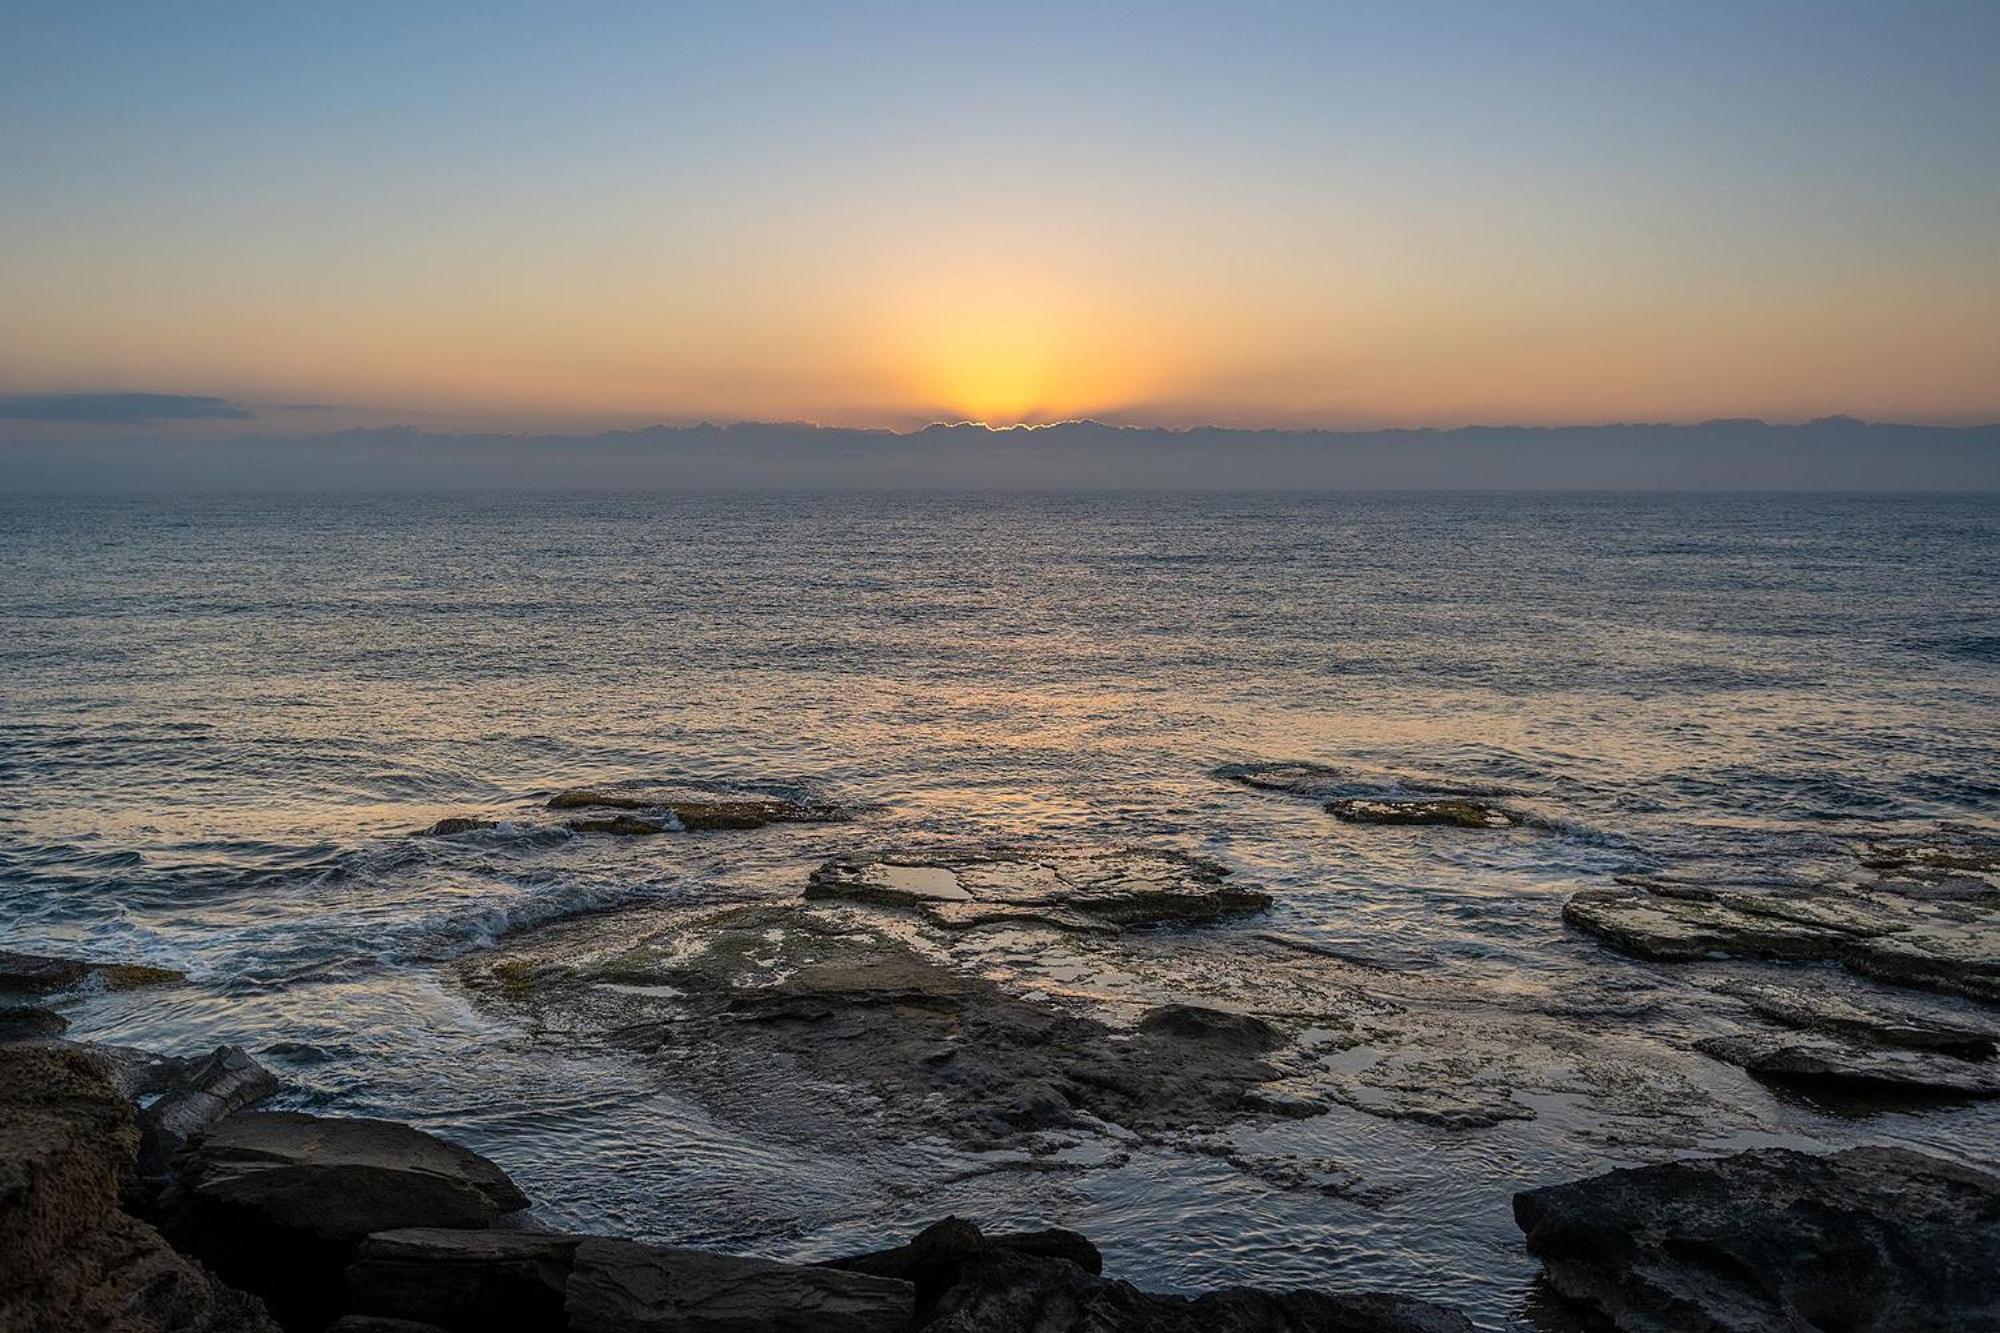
(226, 716)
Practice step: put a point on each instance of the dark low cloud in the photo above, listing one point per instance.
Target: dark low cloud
(119, 408)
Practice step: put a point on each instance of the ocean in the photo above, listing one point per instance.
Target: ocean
(224, 715)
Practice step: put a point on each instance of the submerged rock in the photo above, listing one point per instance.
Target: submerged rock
(70, 1256)
(1829, 1059)
(809, 990)
(1088, 889)
(1950, 852)
(1452, 811)
(698, 806)
(1866, 1239)
(36, 974)
(276, 1201)
(1888, 930)
(1314, 782)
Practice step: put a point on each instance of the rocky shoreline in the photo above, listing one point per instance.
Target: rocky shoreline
(143, 1192)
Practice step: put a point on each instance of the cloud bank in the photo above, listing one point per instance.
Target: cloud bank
(1834, 453)
(113, 409)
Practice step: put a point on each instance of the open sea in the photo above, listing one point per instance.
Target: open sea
(221, 717)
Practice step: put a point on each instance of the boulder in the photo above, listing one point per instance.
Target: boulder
(277, 1201)
(1450, 811)
(932, 1260)
(490, 1281)
(1005, 1291)
(70, 1256)
(1194, 1022)
(37, 974)
(1078, 888)
(621, 1286)
(1869, 1240)
(199, 1095)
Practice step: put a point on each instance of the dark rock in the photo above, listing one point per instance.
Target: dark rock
(693, 806)
(491, 1281)
(1315, 782)
(1867, 1239)
(70, 1257)
(1949, 852)
(932, 1260)
(1827, 1059)
(30, 1024)
(209, 1089)
(1193, 1022)
(368, 1323)
(1889, 930)
(1454, 812)
(35, 974)
(623, 825)
(1052, 1243)
(1007, 1291)
(445, 828)
(619, 1286)
(276, 1201)
(1089, 889)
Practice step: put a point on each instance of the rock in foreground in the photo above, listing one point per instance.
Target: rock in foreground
(276, 1201)
(1815, 1059)
(1869, 1240)
(486, 1282)
(1048, 1282)
(1087, 889)
(70, 1257)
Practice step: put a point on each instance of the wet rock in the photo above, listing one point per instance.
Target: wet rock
(618, 1286)
(29, 1023)
(1453, 812)
(1866, 1239)
(697, 806)
(1315, 782)
(1087, 889)
(1887, 930)
(1949, 852)
(1005, 1291)
(942, 1049)
(1193, 1022)
(493, 1281)
(1829, 1059)
(368, 1323)
(36, 974)
(276, 1201)
(204, 1092)
(70, 1257)
(629, 826)
(1879, 1021)
(932, 1260)
(446, 828)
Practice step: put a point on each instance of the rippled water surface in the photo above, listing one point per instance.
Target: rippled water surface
(223, 716)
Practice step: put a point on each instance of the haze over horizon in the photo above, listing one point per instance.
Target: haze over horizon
(233, 219)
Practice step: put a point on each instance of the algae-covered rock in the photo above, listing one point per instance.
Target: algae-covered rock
(1449, 811)
(691, 805)
(37, 974)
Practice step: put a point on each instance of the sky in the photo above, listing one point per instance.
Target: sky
(538, 217)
